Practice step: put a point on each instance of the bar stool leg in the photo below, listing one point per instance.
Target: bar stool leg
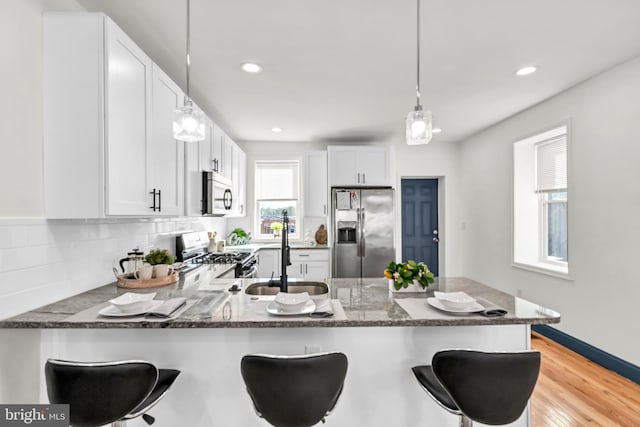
(465, 421)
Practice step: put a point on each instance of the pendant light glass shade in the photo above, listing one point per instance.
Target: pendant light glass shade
(188, 121)
(419, 127)
(418, 123)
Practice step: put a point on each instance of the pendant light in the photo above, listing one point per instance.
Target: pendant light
(418, 125)
(188, 121)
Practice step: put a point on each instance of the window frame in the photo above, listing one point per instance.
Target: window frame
(529, 239)
(297, 202)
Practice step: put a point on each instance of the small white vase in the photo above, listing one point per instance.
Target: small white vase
(415, 287)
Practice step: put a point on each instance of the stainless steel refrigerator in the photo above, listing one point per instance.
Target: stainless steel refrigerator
(363, 231)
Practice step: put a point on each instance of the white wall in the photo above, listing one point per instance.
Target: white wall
(599, 305)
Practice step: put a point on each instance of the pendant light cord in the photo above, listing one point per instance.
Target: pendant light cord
(418, 106)
(189, 45)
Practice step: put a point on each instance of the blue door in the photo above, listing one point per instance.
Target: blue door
(419, 201)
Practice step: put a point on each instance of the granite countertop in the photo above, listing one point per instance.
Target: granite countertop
(356, 302)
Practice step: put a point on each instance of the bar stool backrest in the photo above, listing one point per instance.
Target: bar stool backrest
(491, 388)
(294, 391)
(99, 393)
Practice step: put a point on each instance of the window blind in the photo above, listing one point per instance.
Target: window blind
(551, 165)
(276, 180)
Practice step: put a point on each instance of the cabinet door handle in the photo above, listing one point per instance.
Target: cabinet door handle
(155, 193)
(159, 200)
(301, 255)
(324, 209)
(306, 269)
(301, 269)
(364, 181)
(358, 177)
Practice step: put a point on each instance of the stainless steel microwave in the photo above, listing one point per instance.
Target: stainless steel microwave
(217, 199)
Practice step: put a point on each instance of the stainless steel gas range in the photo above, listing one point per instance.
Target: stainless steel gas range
(192, 251)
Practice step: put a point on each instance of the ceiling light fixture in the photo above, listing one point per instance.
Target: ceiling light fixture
(188, 121)
(418, 124)
(251, 68)
(525, 71)
(276, 129)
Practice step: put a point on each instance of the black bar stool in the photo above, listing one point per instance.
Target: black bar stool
(488, 387)
(294, 391)
(107, 392)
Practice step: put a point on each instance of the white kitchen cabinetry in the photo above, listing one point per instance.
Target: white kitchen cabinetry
(268, 263)
(309, 264)
(226, 163)
(360, 166)
(211, 147)
(316, 186)
(239, 182)
(165, 154)
(99, 145)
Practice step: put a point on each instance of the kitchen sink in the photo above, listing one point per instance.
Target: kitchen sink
(313, 288)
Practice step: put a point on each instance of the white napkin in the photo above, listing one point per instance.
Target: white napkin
(168, 308)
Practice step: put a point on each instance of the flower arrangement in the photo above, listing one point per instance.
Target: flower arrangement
(405, 274)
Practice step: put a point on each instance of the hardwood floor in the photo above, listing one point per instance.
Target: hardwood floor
(574, 392)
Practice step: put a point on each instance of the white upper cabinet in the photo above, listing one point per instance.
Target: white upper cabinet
(239, 181)
(226, 162)
(166, 155)
(360, 166)
(102, 150)
(316, 186)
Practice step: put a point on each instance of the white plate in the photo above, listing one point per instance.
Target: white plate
(474, 307)
(111, 311)
(274, 308)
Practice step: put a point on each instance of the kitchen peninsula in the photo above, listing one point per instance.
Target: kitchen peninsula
(382, 333)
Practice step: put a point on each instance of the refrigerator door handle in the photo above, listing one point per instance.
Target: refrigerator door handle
(358, 232)
(362, 241)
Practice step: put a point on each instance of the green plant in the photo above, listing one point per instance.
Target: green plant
(239, 232)
(404, 274)
(160, 256)
(276, 226)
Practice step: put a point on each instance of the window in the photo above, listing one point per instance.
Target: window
(540, 201)
(277, 185)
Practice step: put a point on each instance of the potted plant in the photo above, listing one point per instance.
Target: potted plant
(161, 260)
(276, 227)
(403, 275)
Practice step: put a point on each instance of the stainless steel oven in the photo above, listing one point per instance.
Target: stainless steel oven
(217, 199)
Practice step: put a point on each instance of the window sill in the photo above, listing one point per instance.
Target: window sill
(549, 270)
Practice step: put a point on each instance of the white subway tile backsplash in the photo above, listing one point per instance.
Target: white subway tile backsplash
(11, 237)
(42, 261)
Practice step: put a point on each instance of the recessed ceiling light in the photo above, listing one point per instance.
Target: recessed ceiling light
(251, 68)
(436, 130)
(276, 129)
(525, 71)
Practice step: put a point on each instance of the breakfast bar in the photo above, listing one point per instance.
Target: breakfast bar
(383, 334)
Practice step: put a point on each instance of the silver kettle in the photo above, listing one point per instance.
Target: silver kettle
(134, 260)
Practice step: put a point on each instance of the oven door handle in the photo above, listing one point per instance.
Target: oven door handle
(250, 273)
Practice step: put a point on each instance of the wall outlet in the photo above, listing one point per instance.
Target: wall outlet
(312, 348)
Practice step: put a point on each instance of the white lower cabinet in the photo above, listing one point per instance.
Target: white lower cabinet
(268, 263)
(309, 264)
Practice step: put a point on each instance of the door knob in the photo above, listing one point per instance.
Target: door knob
(436, 240)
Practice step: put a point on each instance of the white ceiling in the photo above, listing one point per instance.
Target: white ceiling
(344, 70)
